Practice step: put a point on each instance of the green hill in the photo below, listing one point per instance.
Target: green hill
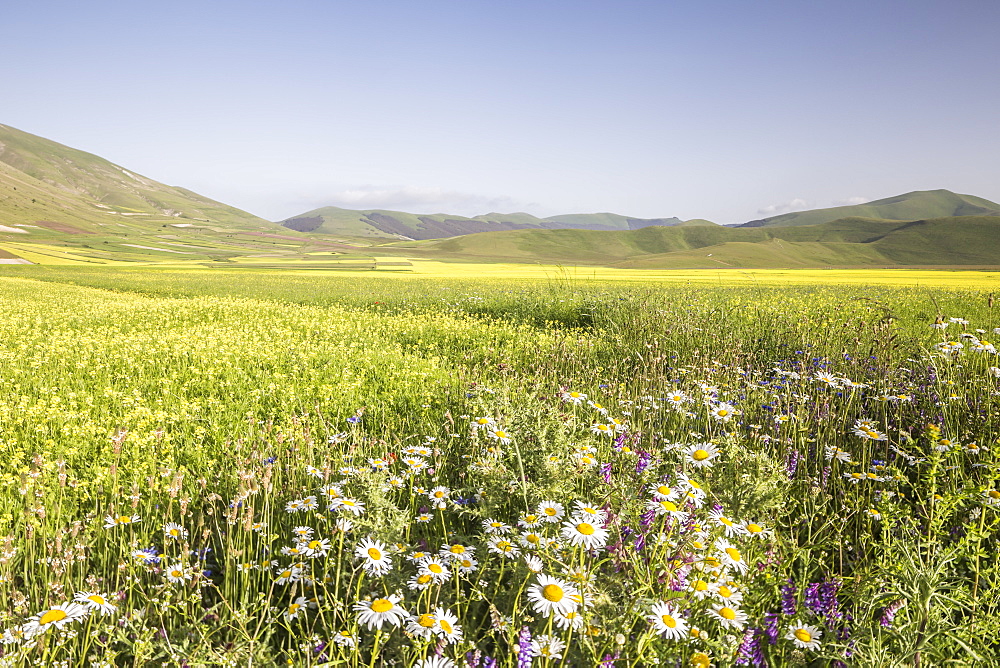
(41, 180)
(916, 205)
(387, 224)
(962, 240)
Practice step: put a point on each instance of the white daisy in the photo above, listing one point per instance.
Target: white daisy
(667, 621)
(804, 636)
(374, 555)
(551, 594)
(374, 614)
(95, 601)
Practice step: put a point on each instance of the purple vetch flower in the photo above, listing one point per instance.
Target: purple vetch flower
(640, 542)
(771, 627)
(821, 598)
(792, 463)
(889, 615)
(608, 660)
(647, 518)
(605, 472)
(788, 605)
(524, 651)
(472, 658)
(489, 662)
(643, 462)
(750, 653)
(824, 477)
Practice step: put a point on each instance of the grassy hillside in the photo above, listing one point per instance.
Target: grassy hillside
(44, 180)
(917, 205)
(965, 240)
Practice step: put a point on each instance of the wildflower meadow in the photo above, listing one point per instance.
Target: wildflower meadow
(251, 468)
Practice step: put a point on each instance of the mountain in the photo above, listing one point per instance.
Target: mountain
(949, 241)
(399, 225)
(46, 184)
(916, 205)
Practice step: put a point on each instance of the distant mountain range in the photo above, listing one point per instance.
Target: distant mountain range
(65, 206)
(400, 225)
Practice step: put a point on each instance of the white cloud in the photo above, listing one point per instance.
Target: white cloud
(796, 204)
(851, 201)
(416, 199)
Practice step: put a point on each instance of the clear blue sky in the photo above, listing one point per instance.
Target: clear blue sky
(727, 109)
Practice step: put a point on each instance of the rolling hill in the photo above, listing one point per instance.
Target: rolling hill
(916, 205)
(849, 242)
(383, 223)
(43, 183)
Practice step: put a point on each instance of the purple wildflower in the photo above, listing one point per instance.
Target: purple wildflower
(643, 462)
(524, 651)
(605, 472)
(792, 464)
(750, 652)
(771, 627)
(788, 592)
(889, 615)
(608, 660)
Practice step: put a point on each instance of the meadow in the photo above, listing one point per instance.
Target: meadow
(257, 468)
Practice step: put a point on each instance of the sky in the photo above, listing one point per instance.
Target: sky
(729, 110)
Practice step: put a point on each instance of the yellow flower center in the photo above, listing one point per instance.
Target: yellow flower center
(175, 532)
(482, 420)
(551, 512)
(993, 494)
(52, 616)
(552, 592)
(314, 544)
(700, 660)
(734, 554)
(723, 412)
(663, 489)
(669, 621)
(728, 613)
(435, 568)
(176, 573)
(382, 605)
(533, 538)
(374, 554)
(803, 635)
(445, 626)
(699, 455)
(700, 585)
(585, 529)
(725, 591)
(501, 434)
(124, 519)
(438, 494)
(457, 549)
(423, 579)
(754, 528)
(425, 620)
(669, 506)
(286, 574)
(96, 598)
